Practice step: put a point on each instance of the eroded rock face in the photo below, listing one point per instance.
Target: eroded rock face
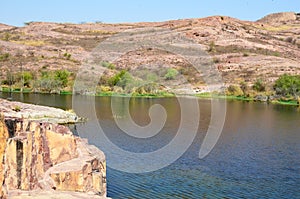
(44, 156)
(3, 141)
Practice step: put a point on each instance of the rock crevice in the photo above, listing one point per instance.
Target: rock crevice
(47, 157)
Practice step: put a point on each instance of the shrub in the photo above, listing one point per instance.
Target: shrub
(234, 90)
(125, 80)
(47, 84)
(116, 78)
(245, 54)
(171, 74)
(212, 47)
(287, 85)
(108, 65)
(152, 77)
(25, 78)
(67, 56)
(289, 39)
(245, 88)
(16, 108)
(259, 86)
(4, 57)
(10, 79)
(216, 60)
(62, 77)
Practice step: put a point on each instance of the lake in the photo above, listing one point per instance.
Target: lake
(256, 156)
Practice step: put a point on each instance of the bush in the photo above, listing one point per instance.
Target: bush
(62, 77)
(4, 57)
(16, 108)
(288, 85)
(25, 78)
(259, 86)
(171, 74)
(108, 65)
(67, 56)
(126, 80)
(116, 78)
(152, 77)
(10, 79)
(47, 84)
(234, 90)
(212, 47)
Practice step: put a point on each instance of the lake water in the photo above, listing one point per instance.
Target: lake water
(257, 155)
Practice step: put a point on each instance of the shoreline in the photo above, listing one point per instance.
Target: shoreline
(166, 95)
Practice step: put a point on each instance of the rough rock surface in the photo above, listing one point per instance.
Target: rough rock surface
(3, 141)
(12, 109)
(44, 160)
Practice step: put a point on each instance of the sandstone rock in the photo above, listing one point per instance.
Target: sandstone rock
(44, 156)
(37, 113)
(3, 139)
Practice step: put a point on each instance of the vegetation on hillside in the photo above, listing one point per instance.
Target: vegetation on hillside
(286, 89)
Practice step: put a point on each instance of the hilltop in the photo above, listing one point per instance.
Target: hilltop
(243, 51)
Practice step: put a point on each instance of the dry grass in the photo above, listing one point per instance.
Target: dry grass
(276, 28)
(31, 42)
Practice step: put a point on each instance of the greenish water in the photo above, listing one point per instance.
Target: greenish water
(257, 155)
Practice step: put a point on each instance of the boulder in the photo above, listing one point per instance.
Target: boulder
(261, 98)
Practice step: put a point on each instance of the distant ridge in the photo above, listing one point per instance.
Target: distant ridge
(279, 17)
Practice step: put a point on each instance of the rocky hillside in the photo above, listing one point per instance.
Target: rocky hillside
(241, 50)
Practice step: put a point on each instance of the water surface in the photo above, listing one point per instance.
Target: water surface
(257, 155)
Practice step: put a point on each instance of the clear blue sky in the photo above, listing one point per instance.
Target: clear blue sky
(16, 12)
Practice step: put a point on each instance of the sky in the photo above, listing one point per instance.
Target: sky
(16, 12)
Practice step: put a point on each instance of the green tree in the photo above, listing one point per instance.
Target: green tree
(171, 74)
(287, 85)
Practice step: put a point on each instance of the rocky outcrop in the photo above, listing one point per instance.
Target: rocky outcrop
(12, 109)
(3, 141)
(47, 158)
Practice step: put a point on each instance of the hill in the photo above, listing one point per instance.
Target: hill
(243, 51)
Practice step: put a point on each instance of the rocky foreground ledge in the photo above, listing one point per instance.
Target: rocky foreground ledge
(45, 160)
(12, 109)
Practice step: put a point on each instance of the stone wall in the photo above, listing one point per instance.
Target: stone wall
(44, 156)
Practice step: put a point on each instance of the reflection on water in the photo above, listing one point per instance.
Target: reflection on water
(257, 155)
